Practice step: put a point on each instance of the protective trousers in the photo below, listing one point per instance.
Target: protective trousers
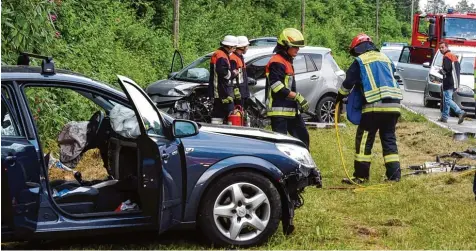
(295, 126)
(385, 124)
(221, 110)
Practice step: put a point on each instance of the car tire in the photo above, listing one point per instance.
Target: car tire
(220, 212)
(429, 103)
(325, 110)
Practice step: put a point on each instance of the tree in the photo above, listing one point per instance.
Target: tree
(436, 6)
(464, 6)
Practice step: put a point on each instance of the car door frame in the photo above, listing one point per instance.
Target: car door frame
(26, 206)
(420, 73)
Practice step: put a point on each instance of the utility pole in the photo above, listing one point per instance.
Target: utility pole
(303, 15)
(176, 23)
(376, 29)
(411, 24)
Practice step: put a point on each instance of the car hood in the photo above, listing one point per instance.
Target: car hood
(163, 87)
(249, 132)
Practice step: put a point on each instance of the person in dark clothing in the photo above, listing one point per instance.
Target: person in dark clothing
(283, 103)
(220, 86)
(451, 77)
(371, 77)
(241, 88)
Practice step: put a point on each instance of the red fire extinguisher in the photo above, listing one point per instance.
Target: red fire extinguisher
(236, 117)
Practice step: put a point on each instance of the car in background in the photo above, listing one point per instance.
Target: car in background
(264, 41)
(317, 75)
(464, 94)
(176, 172)
(392, 50)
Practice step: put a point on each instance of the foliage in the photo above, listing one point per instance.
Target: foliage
(133, 38)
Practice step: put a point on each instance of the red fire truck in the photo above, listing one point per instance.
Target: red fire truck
(454, 28)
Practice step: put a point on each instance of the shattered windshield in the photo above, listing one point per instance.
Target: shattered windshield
(198, 71)
(464, 28)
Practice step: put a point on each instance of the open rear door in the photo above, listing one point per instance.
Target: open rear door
(150, 164)
(410, 67)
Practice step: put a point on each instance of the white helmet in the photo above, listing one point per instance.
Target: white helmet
(230, 40)
(243, 41)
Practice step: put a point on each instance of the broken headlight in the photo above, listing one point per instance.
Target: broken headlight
(299, 154)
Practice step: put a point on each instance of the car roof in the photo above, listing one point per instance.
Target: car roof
(456, 48)
(263, 50)
(388, 48)
(33, 73)
(264, 38)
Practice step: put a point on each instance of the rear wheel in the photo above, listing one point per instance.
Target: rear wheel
(325, 110)
(241, 209)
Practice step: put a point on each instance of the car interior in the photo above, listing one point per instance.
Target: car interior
(119, 191)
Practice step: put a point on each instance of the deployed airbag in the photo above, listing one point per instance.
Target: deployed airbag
(124, 121)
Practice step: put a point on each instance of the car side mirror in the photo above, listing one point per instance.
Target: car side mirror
(251, 81)
(172, 74)
(184, 128)
(426, 65)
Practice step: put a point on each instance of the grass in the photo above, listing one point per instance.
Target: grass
(420, 212)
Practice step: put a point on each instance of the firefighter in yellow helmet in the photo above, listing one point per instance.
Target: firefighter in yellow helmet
(284, 104)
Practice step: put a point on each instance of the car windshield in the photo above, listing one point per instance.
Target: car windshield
(393, 54)
(460, 28)
(467, 63)
(198, 71)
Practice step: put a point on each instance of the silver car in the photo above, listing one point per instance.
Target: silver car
(464, 94)
(317, 75)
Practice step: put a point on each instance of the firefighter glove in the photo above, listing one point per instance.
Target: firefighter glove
(227, 100)
(302, 102)
(339, 98)
(237, 93)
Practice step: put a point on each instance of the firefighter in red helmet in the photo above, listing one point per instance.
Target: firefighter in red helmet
(371, 81)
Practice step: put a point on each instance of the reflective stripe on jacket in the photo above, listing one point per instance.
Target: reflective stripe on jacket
(279, 83)
(238, 62)
(376, 72)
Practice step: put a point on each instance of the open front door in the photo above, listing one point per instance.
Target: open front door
(150, 164)
(20, 177)
(410, 67)
(177, 62)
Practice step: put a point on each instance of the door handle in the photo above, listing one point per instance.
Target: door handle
(400, 69)
(314, 77)
(165, 156)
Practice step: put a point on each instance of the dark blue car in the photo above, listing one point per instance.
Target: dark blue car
(235, 184)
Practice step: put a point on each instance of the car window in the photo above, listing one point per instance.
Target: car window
(392, 54)
(317, 58)
(467, 65)
(332, 62)
(256, 69)
(150, 117)
(309, 64)
(9, 126)
(423, 25)
(299, 64)
(198, 71)
(416, 55)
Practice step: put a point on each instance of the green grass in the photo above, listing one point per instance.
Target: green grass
(420, 212)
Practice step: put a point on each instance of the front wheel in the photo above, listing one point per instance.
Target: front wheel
(240, 209)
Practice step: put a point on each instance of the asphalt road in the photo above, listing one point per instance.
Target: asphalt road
(414, 101)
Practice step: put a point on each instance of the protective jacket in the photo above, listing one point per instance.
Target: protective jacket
(279, 83)
(219, 84)
(374, 88)
(241, 81)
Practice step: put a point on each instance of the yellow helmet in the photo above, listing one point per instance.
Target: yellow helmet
(291, 37)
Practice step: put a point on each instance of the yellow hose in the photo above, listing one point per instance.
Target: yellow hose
(359, 186)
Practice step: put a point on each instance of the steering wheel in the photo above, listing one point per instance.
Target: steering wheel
(94, 124)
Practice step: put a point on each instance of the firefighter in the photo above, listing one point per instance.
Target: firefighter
(371, 78)
(240, 88)
(220, 87)
(282, 101)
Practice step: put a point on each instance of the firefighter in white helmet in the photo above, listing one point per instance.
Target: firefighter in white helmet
(240, 83)
(220, 85)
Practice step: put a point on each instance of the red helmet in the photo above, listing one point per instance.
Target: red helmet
(362, 37)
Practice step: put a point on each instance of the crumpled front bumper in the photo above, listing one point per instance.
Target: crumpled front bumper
(294, 184)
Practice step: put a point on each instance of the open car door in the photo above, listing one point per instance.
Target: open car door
(410, 67)
(177, 62)
(150, 164)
